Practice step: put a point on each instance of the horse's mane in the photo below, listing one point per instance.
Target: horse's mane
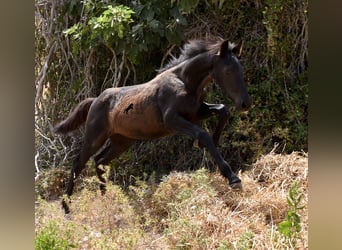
(193, 48)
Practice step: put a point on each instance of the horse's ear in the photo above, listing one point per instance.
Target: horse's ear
(237, 50)
(224, 48)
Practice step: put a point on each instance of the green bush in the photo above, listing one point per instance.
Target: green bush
(291, 227)
(49, 238)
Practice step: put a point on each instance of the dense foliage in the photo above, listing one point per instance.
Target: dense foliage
(83, 47)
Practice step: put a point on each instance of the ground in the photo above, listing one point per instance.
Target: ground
(187, 210)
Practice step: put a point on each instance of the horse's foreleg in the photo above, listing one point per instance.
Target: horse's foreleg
(179, 124)
(207, 110)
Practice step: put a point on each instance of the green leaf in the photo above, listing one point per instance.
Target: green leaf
(154, 24)
(284, 228)
(187, 5)
(147, 14)
(137, 28)
(181, 20)
(221, 4)
(73, 29)
(171, 36)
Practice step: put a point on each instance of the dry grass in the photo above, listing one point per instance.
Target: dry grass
(194, 210)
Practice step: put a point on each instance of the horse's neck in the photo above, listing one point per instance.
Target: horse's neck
(196, 74)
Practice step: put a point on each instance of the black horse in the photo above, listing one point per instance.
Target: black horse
(172, 102)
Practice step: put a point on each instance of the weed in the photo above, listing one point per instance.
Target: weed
(50, 238)
(246, 241)
(224, 246)
(291, 227)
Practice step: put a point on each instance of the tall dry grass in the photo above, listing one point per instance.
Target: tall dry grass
(195, 210)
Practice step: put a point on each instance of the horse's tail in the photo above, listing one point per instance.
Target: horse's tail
(76, 118)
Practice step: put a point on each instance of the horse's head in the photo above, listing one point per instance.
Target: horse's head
(228, 74)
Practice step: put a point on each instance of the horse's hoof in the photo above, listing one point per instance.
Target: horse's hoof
(65, 207)
(236, 186)
(67, 216)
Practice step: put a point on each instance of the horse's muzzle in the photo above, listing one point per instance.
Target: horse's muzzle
(243, 105)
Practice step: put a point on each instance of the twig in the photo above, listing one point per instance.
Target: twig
(118, 79)
(42, 74)
(108, 72)
(168, 53)
(115, 64)
(128, 73)
(36, 165)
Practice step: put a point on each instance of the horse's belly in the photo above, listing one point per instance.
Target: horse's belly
(137, 122)
(141, 129)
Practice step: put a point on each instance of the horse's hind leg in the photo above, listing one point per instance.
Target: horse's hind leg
(118, 144)
(99, 171)
(94, 139)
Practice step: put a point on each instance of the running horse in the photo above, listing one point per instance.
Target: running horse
(172, 102)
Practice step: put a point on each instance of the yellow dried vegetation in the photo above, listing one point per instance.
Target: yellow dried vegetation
(195, 210)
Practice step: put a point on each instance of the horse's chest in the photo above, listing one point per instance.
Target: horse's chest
(189, 109)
